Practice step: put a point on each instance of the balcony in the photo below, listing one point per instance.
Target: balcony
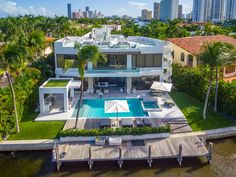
(138, 72)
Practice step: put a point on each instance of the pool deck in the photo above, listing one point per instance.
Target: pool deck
(166, 113)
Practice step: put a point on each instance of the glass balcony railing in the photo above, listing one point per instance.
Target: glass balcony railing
(113, 71)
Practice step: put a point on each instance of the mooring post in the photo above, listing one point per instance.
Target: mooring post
(90, 162)
(210, 151)
(56, 149)
(120, 161)
(180, 158)
(149, 160)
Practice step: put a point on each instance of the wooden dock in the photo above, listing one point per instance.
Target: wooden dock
(177, 147)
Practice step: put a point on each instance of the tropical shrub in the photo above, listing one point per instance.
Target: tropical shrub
(194, 82)
(26, 90)
(116, 131)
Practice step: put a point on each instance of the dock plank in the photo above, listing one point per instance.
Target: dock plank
(161, 148)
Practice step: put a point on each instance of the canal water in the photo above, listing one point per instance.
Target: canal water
(29, 164)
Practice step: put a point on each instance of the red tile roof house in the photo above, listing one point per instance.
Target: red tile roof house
(185, 50)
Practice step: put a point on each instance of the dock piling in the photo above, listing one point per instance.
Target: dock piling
(56, 150)
(90, 161)
(180, 158)
(149, 160)
(120, 161)
(210, 151)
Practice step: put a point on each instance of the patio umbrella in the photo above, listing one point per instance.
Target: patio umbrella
(161, 86)
(116, 106)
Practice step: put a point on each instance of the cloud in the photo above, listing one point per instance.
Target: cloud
(11, 8)
(122, 10)
(138, 5)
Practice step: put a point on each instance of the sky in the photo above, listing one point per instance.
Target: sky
(59, 7)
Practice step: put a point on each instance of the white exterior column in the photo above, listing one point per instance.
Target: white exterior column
(129, 61)
(161, 80)
(72, 93)
(90, 84)
(90, 66)
(41, 101)
(129, 84)
(66, 100)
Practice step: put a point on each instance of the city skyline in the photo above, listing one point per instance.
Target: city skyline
(108, 8)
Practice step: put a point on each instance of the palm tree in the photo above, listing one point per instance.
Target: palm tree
(213, 56)
(226, 57)
(12, 60)
(37, 43)
(89, 53)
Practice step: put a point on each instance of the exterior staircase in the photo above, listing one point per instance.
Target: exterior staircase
(167, 63)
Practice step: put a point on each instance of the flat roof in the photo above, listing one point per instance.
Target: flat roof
(103, 39)
(57, 83)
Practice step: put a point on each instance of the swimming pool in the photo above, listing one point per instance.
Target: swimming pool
(94, 108)
(150, 105)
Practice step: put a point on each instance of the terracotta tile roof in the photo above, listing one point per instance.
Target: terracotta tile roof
(194, 44)
(49, 39)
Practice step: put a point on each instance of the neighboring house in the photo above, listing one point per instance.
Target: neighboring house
(133, 62)
(186, 50)
(114, 27)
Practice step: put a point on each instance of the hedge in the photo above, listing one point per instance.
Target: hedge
(114, 131)
(26, 89)
(194, 81)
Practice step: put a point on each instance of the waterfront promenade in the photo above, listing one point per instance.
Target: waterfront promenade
(48, 144)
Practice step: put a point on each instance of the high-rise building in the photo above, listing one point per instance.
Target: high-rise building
(156, 10)
(77, 14)
(169, 9)
(87, 8)
(180, 11)
(69, 10)
(202, 10)
(146, 14)
(189, 15)
(207, 10)
(218, 10)
(230, 9)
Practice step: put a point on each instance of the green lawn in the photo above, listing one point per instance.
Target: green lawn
(37, 130)
(193, 109)
(57, 83)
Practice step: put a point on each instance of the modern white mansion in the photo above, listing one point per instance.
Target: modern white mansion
(132, 63)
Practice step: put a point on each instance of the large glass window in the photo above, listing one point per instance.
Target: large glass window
(190, 60)
(61, 60)
(146, 60)
(144, 83)
(113, 62)
(119, 82)
(182, 57)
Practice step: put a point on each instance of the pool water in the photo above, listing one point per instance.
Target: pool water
(94, 108)
(150, 105)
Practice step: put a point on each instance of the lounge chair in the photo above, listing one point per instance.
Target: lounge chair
(105, 123)
(115, 141)
(106, 91)
(127, 123)
(147, 122)
(139, 122)
(100, 140)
